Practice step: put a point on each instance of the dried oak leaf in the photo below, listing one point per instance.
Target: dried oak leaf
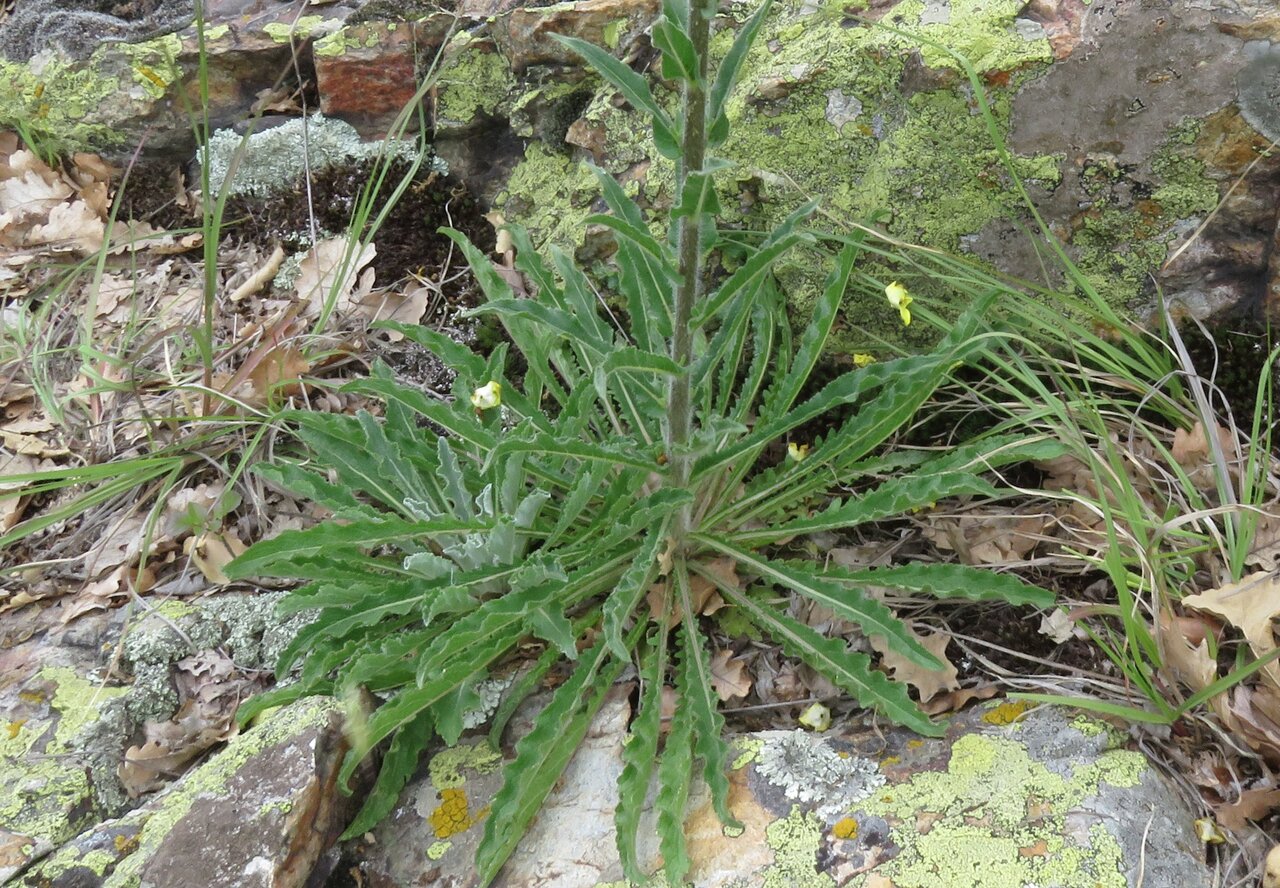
(1253, 804)
(929, 682)
(729, 675)
(1249, 605)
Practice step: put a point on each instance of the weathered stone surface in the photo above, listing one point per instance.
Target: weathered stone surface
(1128, 122)
(75, 698)
(259, 813)
(1007, 799)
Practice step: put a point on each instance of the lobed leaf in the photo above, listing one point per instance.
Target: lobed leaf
(638, 756)
(849, 670)
(872, 616)
(398, 766)
(541, 757)
(950, 581)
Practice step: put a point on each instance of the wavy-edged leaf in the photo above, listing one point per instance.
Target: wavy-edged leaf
(849, 670)
(528, 682)
(398, 765)
(894, 498)
(541, 757)
(557, 320)
(457, 422)
(277, 554)
(260, 703)
(780, 239)
(638, 756)
(727, 75)
(643, 286)
(634, 88)
(471, 644)
(340, 444)
(674, 772)
(872, 616)
(779, 398)
(618, 454)
(454, 354)
(631, 588)
(312, 486)
(697, 692)
(950, 581)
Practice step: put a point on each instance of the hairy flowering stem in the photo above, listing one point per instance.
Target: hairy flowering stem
(690, 250)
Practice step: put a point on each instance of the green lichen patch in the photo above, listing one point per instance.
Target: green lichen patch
(998, 819)
(45, 792)
(795, 840)
(475, 80)
(448, 767)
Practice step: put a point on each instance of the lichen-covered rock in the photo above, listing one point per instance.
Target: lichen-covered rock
(259, 813)
(75, 698)
(1010, 798)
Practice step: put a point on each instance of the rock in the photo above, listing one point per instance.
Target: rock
(259, 813)
(1008, 798)
(1127, 122)
(77, 696)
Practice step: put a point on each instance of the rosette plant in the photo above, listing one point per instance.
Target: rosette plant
(579, 512)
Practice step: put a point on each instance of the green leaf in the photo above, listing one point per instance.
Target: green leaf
(697, 692)
(551, 626)
(727, 75)
(457, 422)
(541, 757)
(781, 239)
(637, 235)
(634, 88)
(847, 669)
(338, 498)
(618, 454)
(398, 765)
(264, 558)
(698, 200)
(679, 59)
(638, 756)
(892, 499)
(779, 398)
(452, 707)
(673, 795)
(454, 354)
(631, 588)
(528, 682)
(872, 616)
(951, 581)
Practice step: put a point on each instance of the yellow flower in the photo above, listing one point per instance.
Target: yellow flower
(899, 299)
(861, 360)
(797, 451)
(487, 396)
(817, 717)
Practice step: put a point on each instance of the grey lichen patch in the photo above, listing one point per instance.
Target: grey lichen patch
(273, 160)
(1259, 89)
(809, 771)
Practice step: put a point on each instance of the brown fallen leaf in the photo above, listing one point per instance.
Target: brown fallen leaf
(929, 682)
(1249, 605)
(729, 675)
(1187, 657)
(954, 701)
(211, 552)
(1253, 804)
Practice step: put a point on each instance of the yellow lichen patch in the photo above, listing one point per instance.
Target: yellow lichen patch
(14, 727)
(453, 814)
(914, 744)
(889, 761)
(1007, 713)
(845, 828)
